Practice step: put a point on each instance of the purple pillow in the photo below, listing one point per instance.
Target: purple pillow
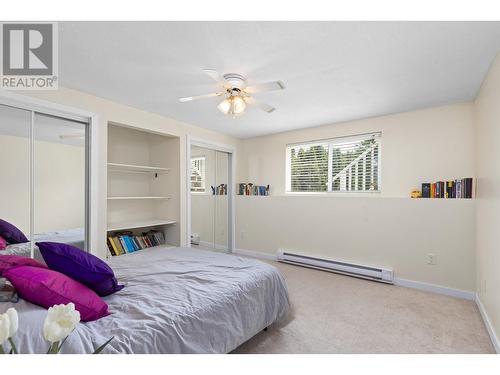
(10, 233)
(80, 266)
(3, 243)
(47, 288)
(11, 261)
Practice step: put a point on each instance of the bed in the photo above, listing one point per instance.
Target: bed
(73, 237)
(176, 300)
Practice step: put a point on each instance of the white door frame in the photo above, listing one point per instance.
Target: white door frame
(33, 105)
(231, 151)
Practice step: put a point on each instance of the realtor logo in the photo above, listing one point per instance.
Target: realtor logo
(29, 56)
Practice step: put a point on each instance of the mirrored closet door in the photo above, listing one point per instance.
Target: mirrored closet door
(43, 188)
(209, 199)
(15, 146)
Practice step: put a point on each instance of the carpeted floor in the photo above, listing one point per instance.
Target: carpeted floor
(340, 314)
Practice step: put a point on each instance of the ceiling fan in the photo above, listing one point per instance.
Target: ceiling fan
(237, 94)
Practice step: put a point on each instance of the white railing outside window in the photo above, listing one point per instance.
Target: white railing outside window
(345, 164)
(198, 174)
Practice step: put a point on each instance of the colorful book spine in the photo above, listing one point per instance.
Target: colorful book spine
(118, 245)
(112, 247)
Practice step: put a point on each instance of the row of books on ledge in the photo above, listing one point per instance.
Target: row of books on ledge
(251, 189)
(219, 190)
(126, 242)
(461, 188)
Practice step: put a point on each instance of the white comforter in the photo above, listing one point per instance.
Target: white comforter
(176, 300)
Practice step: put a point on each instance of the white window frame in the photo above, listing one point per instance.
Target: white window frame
(204, 175)
(331, 142)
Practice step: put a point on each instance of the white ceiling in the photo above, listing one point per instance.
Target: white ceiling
(333, 71)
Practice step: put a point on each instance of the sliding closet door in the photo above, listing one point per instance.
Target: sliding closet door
(15, 127)
(202, 196)
(59, 180)
(221, 224)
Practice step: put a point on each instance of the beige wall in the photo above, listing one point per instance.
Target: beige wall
(380, 229)
(397, 233)
(59, 185)
(108, 111)
(487, 107)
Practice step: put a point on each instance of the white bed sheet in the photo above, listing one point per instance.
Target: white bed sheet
(176, 300)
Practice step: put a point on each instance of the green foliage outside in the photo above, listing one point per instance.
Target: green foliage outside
(309, 168)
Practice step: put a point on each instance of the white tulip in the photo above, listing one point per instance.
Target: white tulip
(14, 321)
(61, 320)
(4, 328)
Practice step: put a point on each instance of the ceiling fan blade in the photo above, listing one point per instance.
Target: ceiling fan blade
(268, 86)
(191, 98)
(216, 77)
(265, 107)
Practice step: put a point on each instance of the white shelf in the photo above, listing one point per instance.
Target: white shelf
(164, 246)
(139, 198)
(139, 224)
(117, 167)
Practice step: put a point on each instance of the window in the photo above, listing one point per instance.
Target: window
(198, 174)
(338, 164)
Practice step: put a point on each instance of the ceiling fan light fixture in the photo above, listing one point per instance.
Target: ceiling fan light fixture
(232, 106)
(237, 94)
(224, 106)
(239, 105)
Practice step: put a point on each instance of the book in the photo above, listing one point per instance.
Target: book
(124, 245)
(468, 187)
(118, 245)
(130, 245)
(136, 243)
(131, 242)
(112, 247)
(426, 190)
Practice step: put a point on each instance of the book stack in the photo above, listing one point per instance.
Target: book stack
(251, 189)
(219, 190)
(461, 188)
(126, 242)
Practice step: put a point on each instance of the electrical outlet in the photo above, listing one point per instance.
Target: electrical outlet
(484, 286)
(431, 259)
(242, 235)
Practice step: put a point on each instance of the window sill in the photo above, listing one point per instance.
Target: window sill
(334, 193)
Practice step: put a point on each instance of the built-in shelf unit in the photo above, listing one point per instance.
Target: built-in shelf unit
(143, 182)
(137, 197)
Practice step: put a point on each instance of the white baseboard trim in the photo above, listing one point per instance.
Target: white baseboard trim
(397, 281)
(255, 254)
(487, 322)
(210, 245)
(435, 288)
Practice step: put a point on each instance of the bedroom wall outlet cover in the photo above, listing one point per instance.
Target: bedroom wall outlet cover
(431, 259)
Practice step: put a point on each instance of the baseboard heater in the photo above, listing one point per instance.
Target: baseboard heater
(383, 275)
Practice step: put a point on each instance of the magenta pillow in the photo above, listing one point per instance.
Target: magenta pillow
(10, 233)
(10, 261)
(47, 288)
(3, 243)
(80, 266)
